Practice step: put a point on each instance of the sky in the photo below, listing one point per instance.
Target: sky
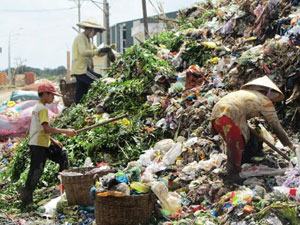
(41, 30)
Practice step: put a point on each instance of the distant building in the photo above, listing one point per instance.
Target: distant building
(128, 33)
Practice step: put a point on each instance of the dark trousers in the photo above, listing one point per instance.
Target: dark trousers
(38, 156)
(83, 84)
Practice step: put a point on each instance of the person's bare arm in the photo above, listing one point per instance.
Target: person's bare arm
(270, 115)
(52, 130)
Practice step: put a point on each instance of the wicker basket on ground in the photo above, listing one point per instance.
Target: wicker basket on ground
(68, 90)
(125, 210)
(77, 187)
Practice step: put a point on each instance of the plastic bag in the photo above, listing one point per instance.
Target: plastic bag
(88, 162)
(140, 187)
(124, 188)
(15, 121)
(146, 158)
(171, 156)
(191, 141)
(169, 201)
(147, 177)
(155, 167)
(209, 44)
(164, 145)
(134, 173)
(121, 177)
(50, 207)
(24, 95)
(260, 170)
(214, 161)
(293, 193)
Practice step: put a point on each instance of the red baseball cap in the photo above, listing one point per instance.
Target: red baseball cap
(47, 87)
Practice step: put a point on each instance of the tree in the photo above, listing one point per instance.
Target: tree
(20, 64)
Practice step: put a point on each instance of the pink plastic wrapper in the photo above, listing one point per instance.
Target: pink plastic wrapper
(15, 121)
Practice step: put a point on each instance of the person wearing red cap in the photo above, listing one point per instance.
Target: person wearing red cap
(229, 119)
(41, 145)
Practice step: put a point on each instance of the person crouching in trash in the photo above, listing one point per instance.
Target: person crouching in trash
(230, 115)
(41, 145)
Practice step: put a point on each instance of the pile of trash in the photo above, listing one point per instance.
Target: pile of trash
(15, 114)
(168, 86)
(189, 189)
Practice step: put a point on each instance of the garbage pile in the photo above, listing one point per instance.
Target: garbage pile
(15, 114)
(168, 85)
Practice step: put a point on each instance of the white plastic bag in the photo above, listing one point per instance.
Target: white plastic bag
(214, 161)
(288, 192)
(146, 158)
(191, 141)
(164, 145)
(50, 207)
(88, 162)
(260, 170)
(171, 156)
(169, 201)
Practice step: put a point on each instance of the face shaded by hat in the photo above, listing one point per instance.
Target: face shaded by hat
(47, 88)
(265, 84)
(91, 24)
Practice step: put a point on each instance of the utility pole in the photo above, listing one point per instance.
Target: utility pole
(79, 15)
(106, 21)
(9, 60)
(106, 33)
(146, 31)
(78, 3)
(79, 6)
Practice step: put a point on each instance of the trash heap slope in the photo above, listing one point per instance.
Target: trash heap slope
(169, 84)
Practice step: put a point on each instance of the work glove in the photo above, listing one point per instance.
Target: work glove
(111, 56)
(104, 50)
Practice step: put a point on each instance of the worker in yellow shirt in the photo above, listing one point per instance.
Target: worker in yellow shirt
(83, 52)
(230, 115)
(41, 145)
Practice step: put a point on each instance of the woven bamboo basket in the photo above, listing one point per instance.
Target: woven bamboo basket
(77, 187)
(68, 90)
(125, 210)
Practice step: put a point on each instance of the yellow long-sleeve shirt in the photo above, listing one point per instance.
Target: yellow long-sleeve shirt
(246, 104)
(83, 52)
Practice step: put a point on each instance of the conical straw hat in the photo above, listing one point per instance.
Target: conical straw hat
(91, 23)
(265, 83)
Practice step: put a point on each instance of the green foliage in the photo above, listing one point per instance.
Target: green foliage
(19, 162)
(73, 116)
(60, 70)
(116, 143)
(197, 22)
(169, 39)
(195, 53)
